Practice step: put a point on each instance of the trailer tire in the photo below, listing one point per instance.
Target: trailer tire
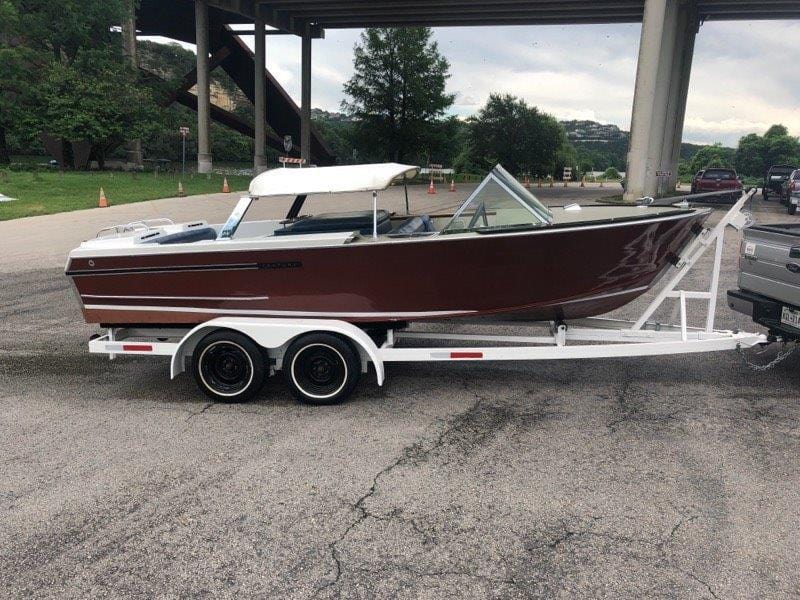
(229, 367)
(321, 368)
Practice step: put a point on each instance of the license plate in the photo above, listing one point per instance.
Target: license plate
(790, 317)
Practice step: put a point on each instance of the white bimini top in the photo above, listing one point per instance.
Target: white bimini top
(328, 180)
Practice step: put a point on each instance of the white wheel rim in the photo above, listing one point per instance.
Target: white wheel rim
(249, 360)
(319, 396)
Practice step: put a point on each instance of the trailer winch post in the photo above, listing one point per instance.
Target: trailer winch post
(690, 256)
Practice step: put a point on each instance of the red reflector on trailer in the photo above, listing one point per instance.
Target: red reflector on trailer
(466, 355)
(137, 348)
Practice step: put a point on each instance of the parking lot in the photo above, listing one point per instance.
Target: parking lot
(665, 476)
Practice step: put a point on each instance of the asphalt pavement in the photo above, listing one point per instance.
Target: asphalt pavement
(665, 477)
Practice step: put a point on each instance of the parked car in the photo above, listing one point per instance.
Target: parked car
(773, 182)
(790, 191)
(695, 180)
(769, 278)
(718, 180)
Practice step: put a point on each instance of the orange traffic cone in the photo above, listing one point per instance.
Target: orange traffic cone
(452, 185)
(225, 188)
(181, 192)
(431, 188)
(103, 202)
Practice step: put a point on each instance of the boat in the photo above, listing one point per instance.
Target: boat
(501, 255)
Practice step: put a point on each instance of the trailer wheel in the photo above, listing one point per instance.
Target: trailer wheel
(228, 367)
(321, 368)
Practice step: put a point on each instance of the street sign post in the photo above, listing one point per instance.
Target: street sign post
(662, 177)
(184, 132)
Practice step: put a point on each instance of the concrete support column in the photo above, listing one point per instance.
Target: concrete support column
(305, 99)
(664, 85)
(134, 147)
(203, 90)
(674, 95)
(682, 75)
(640, 172)
(260, 103)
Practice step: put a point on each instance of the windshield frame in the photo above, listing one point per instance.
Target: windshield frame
(515, 190)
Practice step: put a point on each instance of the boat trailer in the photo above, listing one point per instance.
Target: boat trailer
(322, 359)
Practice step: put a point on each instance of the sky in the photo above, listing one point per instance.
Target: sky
(744, 75)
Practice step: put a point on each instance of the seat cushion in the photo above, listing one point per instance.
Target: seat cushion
(417, 224)
(360, 221)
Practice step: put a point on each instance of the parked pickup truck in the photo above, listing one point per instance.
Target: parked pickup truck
(790, 191)
(718, 180)
(773, 182)
(769, 278)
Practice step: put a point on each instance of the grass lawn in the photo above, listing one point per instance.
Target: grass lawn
(47, 192)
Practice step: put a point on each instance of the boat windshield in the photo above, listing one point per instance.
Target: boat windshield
(500, 202)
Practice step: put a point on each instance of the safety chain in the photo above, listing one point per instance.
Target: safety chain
(782, 355)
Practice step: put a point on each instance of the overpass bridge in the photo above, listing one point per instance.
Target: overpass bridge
(669, 29)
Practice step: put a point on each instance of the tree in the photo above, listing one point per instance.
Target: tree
(518, 136)
(68, 75)
(397, 94)
(95, 98)
(16, 62)
(756, 154)
(712, 156)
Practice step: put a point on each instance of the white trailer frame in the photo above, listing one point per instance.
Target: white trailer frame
(586, 338)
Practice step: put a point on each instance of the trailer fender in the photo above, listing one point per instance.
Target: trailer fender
(275, 333)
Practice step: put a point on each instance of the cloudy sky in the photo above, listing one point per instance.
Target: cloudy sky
(745, 74)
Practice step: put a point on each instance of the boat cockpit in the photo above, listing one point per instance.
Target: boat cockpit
(500, 203)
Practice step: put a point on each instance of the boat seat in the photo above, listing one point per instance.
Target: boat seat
(417, 224)
(360, 221)
(186, 237)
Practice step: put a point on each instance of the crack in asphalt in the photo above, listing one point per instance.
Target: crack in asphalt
(362, 510)
(622, 403)
(573, 532)
(206, 406)
(456, 573)
(415, 454)
(632, 412)
(698, 580)
(678, 525)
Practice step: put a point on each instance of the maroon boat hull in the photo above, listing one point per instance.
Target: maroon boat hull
(557, 273)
